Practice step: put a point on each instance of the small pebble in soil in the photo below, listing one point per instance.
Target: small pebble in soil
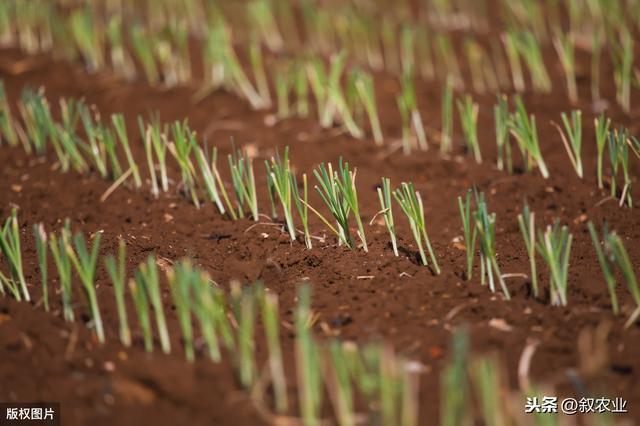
(270, 120)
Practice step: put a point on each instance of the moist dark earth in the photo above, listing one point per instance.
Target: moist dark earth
(358, 296)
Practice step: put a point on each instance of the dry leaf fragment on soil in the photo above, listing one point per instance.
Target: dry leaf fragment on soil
(500, 324)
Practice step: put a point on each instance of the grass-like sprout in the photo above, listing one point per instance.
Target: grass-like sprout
(307, 360)
(95, 149)
(222, 321)
(148, 149)
(488, 69)
(148, 274)
(244, 183)
(179, 279)
(389, 386)
(143, 49)
(85, 265)
(58, 246)
(279, 178)
(301, 87)
(257, 65)
(411, 119)
(607, 263)
(154, 141)
(602, 126)
(366, 91)
(11, 286)
(245, 315)
(384, 195)
(339, 384)
(117, 272)
(211, 178)
(184, 139)
(622, 57)
(425, 56)
(36, 116)
(486, 228)
(336, 104)
(565, 48)
(448, 58)
(469, 119)
(107, 139)
(529, 50)
(40, 237)
(302, 206)
(407, 47)
(501, 118)
(318, 81)
(7, 130)
(572, 140)
(237, 75)
(87, 37)
(207, 310)
(612, 255)
(469, 231)
(511, 49)
(454, 384)
(346, 181)
(446, 138)
(262, 16)
(276, 366)
(283, 85)
(487, 381)
(618, 142)
(390, 45)
(121, 130)
(329, 191)
(411, 203)
(141, 304)
(554, 245)
(475, 56)
(523, 128)
(64, 139)
(10, 247)
(527, 223)
(120, 59)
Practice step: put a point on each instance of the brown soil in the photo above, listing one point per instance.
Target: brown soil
(46, 359)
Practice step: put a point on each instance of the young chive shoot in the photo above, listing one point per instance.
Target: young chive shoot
(411, 203)
(58, 246)
(526, 221)
(469, 118)
(40, 237)
(554, 245)
(486, 228)
(85, 264)
(10, 247)
(572, 140)
(117, 272)
(279, 178)
(469, 230)
(602, 126)
(384, 195)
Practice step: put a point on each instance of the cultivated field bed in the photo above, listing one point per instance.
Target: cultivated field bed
(408, 316)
